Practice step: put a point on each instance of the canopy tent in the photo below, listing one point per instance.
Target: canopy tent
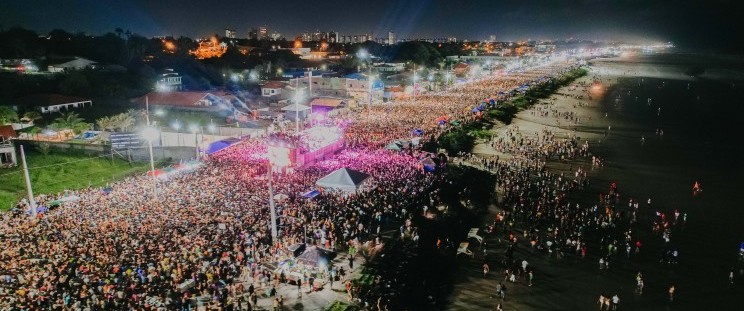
(316, 257)
(221, 144)
(39, 209)
(343, 179)
(395, 145)
(428, 164)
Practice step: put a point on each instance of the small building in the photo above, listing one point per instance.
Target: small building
(272, 88)
(50, 103)
(78, 63)
(394, 92)
(169, 81)
(389, 67)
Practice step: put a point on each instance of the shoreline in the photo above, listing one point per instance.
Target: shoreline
(471, 290)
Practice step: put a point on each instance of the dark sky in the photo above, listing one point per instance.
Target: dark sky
(688, 22)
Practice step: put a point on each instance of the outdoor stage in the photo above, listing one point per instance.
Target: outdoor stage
(311, 146)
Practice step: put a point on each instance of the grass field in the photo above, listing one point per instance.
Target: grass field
(54, 173)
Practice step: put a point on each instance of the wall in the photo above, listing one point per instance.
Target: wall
(140, 154)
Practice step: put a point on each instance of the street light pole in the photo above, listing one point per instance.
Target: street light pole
(414, 83)
(152, 170)
(370, 90)
(272, 208)
(149, 147)
(196, 143)
(29, 191)
(297, 108)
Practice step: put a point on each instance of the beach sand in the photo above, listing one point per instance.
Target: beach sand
(575, 284)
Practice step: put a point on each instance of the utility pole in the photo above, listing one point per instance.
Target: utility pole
(272, 208)
(414, 83)
(30, 192)
(297, 108)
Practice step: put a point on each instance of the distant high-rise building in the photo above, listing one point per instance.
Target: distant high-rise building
(276, 36)
(253, 34)
(263, 32)
(492, 38)
(391, 38)
(332, 37)
(230, 33)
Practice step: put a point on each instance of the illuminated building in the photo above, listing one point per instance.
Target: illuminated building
(209, 48)
(230, 33)
(263, 32)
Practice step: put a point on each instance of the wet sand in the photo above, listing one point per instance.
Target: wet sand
(664, 168)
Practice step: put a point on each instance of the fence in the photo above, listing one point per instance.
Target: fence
(140, 154)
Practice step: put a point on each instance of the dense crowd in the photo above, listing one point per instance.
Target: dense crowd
(204, 235)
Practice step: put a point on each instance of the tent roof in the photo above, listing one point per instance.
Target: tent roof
(343, 178)
(313, 256)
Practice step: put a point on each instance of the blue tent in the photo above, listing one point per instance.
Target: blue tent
(221, 144)
(429, 164)
(311, 194)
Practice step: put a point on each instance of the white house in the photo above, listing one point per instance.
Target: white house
(169, 81)
(272, 88)
(50, 103)
(78, 63)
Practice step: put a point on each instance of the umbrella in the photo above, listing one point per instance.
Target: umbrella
(418, 132)
(280, 197)
(39, 209)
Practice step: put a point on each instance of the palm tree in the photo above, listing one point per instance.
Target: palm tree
(105, 124)
(7, 115)
(123, 121)
(31, 116)
(70, 120)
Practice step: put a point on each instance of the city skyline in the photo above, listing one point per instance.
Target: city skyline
(472, 20)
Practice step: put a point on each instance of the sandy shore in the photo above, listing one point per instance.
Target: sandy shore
(563, 285)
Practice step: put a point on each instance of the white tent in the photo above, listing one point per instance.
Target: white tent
(343, 179)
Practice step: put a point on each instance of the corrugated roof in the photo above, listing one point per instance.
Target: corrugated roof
(274, 85)
(7, 131)
(327, 102)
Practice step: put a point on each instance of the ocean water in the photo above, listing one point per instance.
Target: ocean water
(701, 120)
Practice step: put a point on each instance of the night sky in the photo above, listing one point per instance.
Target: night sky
(691, 23)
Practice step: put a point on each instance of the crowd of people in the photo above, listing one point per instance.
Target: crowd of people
(205, 235)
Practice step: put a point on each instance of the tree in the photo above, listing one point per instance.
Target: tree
(70, 120)
(123, 121)
(105, 124)
(7, 115)
(31, 116)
